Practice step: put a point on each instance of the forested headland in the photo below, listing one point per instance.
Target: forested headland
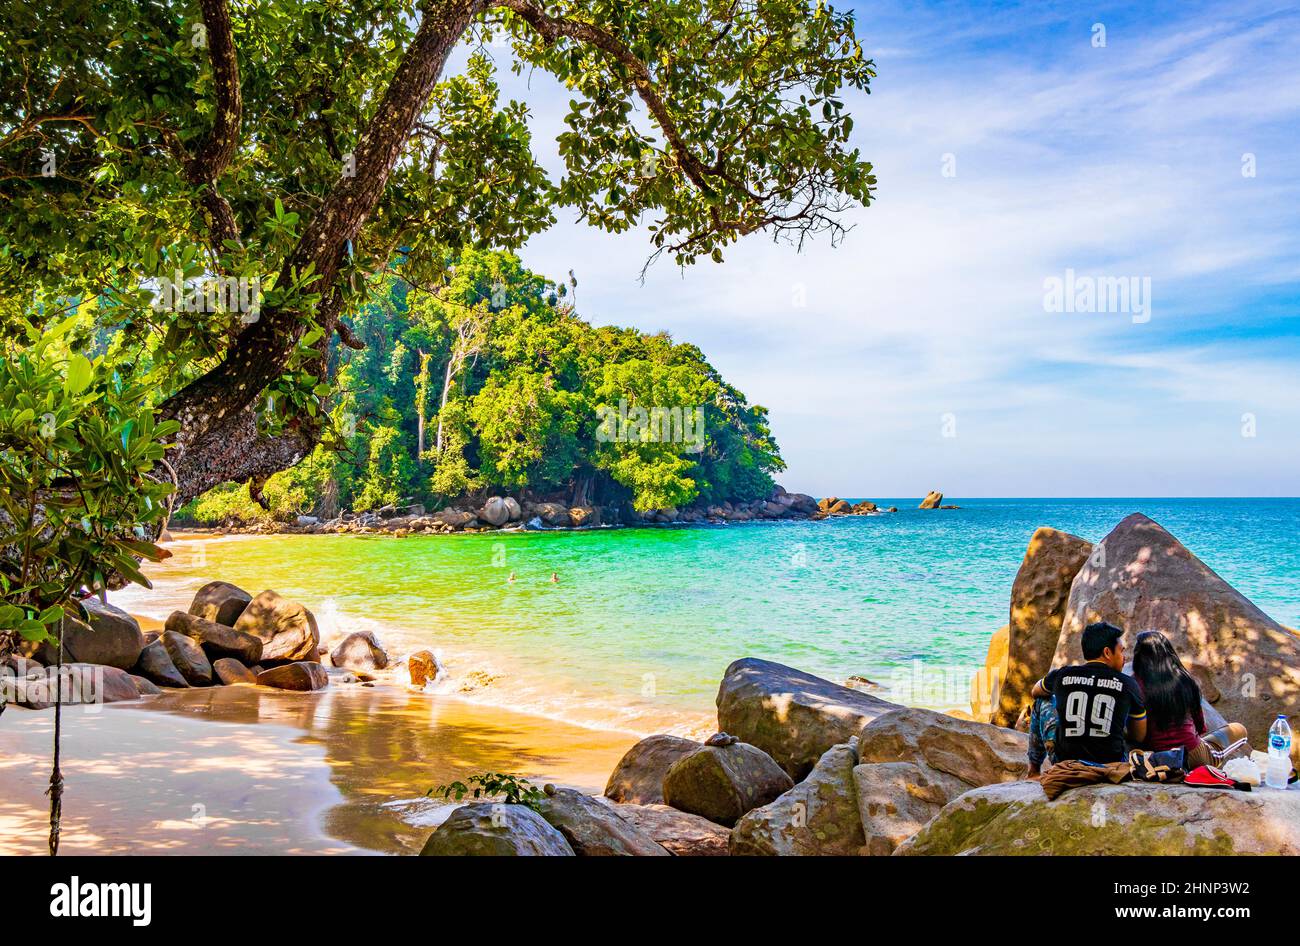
(495, 385)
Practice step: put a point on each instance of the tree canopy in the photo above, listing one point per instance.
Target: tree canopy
(217, 190)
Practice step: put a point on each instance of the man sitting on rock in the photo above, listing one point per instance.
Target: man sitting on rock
(1084, 711)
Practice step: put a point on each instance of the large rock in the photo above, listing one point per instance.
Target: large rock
(1038, 600)
(495, 512)
(553, 514)
(1141, 577)
(230, 671)
(722, 783)
(110, 637)
(819, 816)
(594, 829)
(933, 500)
(156, 666)
(305, 675)
(513, 508)
(79, 684)
(1138, 818)
(287, 629)
(792, 716)
(986, 685)
(639, 776)
(915, 761)
(584, 516)
(360, 651)
(896, 799)
(495, 830)
(188, 657)
(455, 518)
(220, 602)
(681, 834)
(976, 753)
(217, 640)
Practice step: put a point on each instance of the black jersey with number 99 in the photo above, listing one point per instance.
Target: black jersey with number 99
(1093, 707)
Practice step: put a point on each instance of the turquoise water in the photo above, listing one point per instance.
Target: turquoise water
(643, 622)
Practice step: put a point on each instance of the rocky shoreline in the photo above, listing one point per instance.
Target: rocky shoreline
(803, 766)
(509, 513)
(800, 765)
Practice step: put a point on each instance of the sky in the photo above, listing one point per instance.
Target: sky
(1011, 149)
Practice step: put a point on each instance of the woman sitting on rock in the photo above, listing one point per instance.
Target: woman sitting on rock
(1173, 701)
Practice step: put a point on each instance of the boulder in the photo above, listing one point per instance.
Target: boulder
(593, 829)
(681, 834)
(287, 629)
(304, 675)
(455, 518)
(1038, 600)
(110, 637)
(1141, 577)
(78, 684)
(841, 508)
(1137, 818)
(143, 687)
(803, 503)
(217, 640)
(975, 753)
(723, 783)
(220, 602)
(933, 500)
(819, 816)
(230, 671)
(792, 716)
(825, 504)
(188, 658)
(360, 651)
(639, 775)
(513, 508)
(495, 512)
(988, 680)
(156, 666)
(584, 516)
(864, 507)
(495, 830)
(915, 761)
(422, 666)
(553, 514)
(896, 800)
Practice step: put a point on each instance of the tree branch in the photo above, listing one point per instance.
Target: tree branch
(552, 28)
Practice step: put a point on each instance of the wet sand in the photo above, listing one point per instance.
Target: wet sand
(247, 770)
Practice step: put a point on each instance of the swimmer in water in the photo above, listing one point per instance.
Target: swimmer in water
(511, 579)
(555, 578)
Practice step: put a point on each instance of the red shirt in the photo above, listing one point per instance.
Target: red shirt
(1186, 735)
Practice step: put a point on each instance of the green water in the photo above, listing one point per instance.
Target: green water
(643, 622)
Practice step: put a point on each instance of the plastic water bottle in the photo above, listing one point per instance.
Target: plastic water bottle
(1279, 754)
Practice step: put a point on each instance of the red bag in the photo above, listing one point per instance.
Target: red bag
(1207, 776)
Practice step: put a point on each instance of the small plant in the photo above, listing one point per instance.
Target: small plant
(512, 789)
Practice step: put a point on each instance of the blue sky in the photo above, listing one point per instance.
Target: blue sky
(1123, 161)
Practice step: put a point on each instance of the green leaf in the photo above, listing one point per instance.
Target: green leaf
(79, 373)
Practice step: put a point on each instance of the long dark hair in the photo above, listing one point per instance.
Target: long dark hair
(1171, 693)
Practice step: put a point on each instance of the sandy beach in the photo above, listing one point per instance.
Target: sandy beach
(248, 770)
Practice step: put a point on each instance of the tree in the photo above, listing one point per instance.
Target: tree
(197, 150)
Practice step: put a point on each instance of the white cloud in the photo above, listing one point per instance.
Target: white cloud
(1118, 161)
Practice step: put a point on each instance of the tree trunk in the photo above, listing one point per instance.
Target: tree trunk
(219, 441)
